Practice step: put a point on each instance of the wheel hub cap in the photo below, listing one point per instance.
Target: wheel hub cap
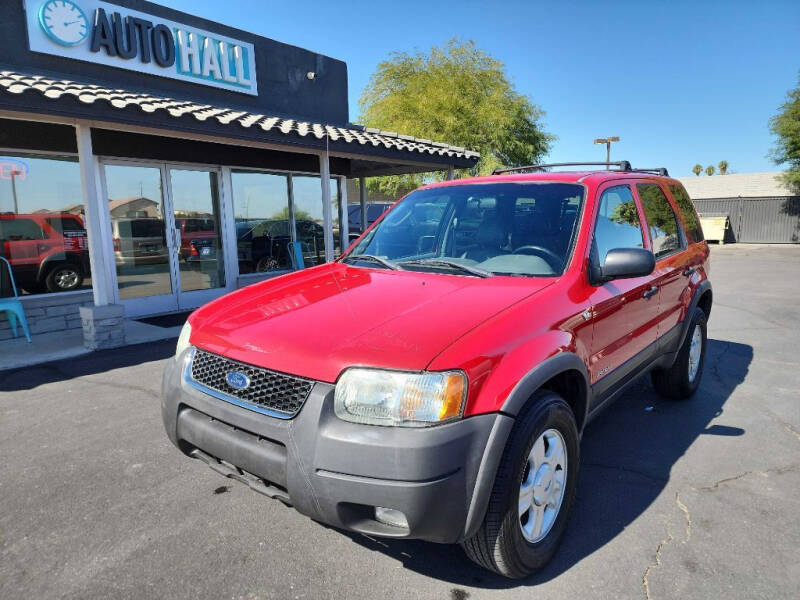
(66, 278)
(542, 489)
(695, 352)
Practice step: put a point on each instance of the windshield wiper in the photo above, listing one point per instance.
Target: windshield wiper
(443, 262)
(374, 259)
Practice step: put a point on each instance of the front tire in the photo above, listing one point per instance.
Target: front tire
(682, 379)
(533, 493)
(64, 278)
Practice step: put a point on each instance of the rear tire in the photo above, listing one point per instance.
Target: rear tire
(64, 278)
(681, 380)
(505, 542)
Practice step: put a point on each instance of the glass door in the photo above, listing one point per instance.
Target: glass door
(194, 199)
(165, 230)
(142, 247)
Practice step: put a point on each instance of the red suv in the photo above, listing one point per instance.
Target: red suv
(47, 251)
(435, 381)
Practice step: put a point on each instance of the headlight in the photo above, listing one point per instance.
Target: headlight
(183, 339)
(394, 398)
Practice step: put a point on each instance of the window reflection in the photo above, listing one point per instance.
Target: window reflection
(263, 228)
(42, 231)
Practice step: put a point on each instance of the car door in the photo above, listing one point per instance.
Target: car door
(624, 311)
(24, 242)
(668, 243)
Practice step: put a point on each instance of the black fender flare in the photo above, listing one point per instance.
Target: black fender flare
(58, 258)
(543, 372)
(517, 399)
(703, 287)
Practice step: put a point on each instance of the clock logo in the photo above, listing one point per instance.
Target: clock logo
(64, 22)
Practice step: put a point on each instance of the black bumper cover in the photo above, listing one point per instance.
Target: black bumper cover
(337, 472)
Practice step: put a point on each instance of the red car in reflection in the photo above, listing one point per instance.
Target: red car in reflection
(47, 251)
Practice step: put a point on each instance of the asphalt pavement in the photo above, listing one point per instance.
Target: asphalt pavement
(696, 499)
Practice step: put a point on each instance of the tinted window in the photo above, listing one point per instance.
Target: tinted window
(17, 230)
(661, 220)
(141, 228)
(690, 220)
(62, 224)
(374, 211)
(618, 224)
(195, 225)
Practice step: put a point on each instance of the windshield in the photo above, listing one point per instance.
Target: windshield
(524, 228)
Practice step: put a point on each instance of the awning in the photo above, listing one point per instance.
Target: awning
(373, 152)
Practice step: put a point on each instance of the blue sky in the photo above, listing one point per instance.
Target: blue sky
(679, 82)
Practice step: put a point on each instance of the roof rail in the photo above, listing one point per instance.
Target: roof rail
(657, 171)
(622, 165)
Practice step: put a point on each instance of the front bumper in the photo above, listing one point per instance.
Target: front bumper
(337, 472)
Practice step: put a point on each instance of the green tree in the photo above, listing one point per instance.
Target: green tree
(723, 167)
(697, 169)
(456, 94)
(710, 170)
(786, 127)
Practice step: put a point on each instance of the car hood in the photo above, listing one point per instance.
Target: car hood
(316, 322)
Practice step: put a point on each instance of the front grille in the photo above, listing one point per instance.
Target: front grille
(267, 390)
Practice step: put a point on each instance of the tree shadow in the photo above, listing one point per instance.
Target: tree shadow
(634, 442)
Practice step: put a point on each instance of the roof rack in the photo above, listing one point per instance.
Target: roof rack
(622, 165)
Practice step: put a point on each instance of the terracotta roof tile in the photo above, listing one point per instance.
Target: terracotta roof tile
(54, 89)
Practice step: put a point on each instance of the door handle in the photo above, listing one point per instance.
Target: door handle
(688, 271)
(649, 292)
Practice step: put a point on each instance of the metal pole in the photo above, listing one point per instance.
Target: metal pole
(344, 214)
(362, 196)
(451, 174)
(327, 215)
(608, 153)
(14, 191)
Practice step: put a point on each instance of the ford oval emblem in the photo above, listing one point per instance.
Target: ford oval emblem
(237, 380)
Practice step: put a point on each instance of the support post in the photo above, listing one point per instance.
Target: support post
(362, 197)
(344, 218)
(104, 323)
(96, 217)
(327, 217)
(451, 173)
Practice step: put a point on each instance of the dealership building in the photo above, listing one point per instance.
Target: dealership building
(151, 160)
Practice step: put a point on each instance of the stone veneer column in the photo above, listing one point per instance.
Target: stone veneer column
(103, 326)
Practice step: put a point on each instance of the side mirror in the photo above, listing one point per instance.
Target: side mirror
(626, 263)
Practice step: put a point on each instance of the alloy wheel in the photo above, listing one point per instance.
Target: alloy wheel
(543, 484)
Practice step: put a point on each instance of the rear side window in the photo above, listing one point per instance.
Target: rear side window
(693, 230)
(661, 220)
(618, 224)
(62, 224)
(18, 230)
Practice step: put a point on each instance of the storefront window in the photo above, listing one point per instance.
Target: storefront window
(42, 231)
(309, 219)
(263, 227)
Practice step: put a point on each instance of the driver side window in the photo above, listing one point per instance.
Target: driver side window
(618, 224)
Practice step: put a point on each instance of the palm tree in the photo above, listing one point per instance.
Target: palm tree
(697, 169)
(723, 167)
(710, 170)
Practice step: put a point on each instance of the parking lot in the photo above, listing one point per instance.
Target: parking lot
(698, 499)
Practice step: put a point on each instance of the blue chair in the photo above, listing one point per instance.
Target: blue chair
(11, 304)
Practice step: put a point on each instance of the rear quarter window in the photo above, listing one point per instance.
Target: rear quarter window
(665, 233)
(694, 232)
